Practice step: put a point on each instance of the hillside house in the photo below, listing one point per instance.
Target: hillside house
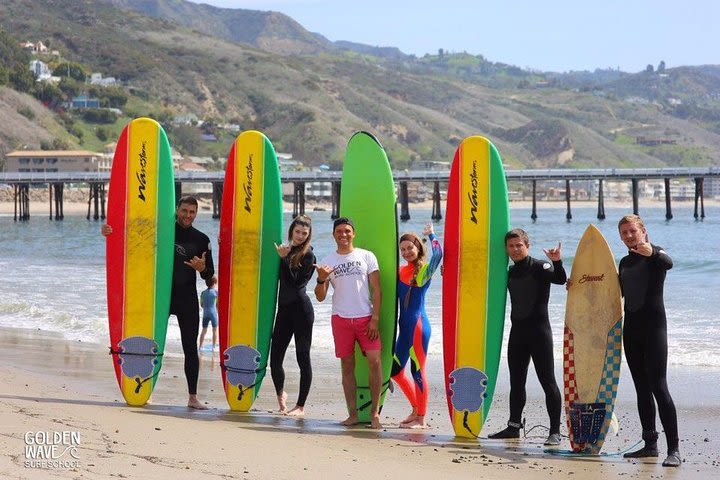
(99, 80)
(84, 101)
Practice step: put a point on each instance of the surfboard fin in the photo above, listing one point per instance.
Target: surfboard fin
(614, 424)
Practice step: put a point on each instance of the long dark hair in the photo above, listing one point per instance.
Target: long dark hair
(303, 221)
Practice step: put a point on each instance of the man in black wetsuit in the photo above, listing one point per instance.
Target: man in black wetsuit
(642, 276)
(530, 335)
(192, 254)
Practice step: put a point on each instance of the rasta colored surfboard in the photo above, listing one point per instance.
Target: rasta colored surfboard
(474, 282)
(367, 196)
(592, 344)
(139, 256)
(250, 224)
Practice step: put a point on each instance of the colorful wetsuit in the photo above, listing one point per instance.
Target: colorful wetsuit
(645, 340)
(414, 334)
(295, 317)
(530, 335)
(189, 242)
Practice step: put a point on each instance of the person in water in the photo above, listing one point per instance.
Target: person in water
(295, 315)
(208, 302)
(193, 255)
(530, 335)
(642, 276)
(414, 335)
(354, 275)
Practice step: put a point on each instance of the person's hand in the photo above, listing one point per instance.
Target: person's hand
(197, 263)
(323, 272)
(644, 249)
(105, 230)
(372, 330)
(428, 229)
(568, 284)
(282, 249)
(554, 253)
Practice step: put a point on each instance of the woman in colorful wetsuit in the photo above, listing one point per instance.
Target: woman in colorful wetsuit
(295, 313)
(642, 276)
(414, 336)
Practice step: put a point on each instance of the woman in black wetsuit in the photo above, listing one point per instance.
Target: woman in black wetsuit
(295, 313)
(642, 275)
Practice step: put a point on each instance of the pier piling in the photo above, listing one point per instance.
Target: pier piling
(699, 195)
(436, 210)
(601, 201)
(404, 207)
(568, 215)
(635, 196)
(668, 201)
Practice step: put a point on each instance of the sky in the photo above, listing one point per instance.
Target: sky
(548, 35)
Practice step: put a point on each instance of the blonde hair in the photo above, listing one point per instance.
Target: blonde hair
(632, 218)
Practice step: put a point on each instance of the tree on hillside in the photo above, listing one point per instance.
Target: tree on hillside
(14, 64)
(649, 68)
(661, 67)
(186, 138)
(71, 69)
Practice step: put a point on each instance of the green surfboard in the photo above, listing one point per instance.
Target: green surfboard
(367, 196)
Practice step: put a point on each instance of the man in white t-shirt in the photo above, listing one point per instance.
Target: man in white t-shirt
(354, 275)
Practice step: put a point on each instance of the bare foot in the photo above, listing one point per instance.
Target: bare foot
(350, 421)
(410, 418)
(375, 423)
(418, 423)
(282, 402)
(193, 402)
(297, 411)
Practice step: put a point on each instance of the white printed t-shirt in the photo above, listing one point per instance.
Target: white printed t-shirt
(349, 279)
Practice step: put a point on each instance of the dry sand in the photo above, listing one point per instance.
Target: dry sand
(53, 385)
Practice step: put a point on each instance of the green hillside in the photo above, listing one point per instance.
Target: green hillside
(310, 104)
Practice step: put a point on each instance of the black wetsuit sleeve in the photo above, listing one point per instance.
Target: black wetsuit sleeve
(661, 259)
(559, 276)
(209, 265)
(300, 277)
(555, 274)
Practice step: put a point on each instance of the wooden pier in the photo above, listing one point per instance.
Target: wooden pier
(97, 182)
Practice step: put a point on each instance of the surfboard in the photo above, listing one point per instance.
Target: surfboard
(474, 282)
(367, 196)
(139, 256)
(250, 224)
(592, 344)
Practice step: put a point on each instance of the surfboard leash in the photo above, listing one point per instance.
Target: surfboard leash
(570, 453)
(137, 379)
(260, 370)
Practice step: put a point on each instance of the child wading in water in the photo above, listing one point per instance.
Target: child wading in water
(208, 301)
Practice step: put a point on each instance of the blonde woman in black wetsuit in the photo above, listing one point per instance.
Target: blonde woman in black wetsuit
(295, 315)
(642, 276)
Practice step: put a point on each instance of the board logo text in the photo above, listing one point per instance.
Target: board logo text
(247, 187)
(592, 278)
(141, 175)
(472, 196)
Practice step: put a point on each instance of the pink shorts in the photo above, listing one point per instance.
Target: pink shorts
(347, 330)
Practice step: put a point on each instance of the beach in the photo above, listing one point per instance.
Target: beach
(57, 375)
(53, 385)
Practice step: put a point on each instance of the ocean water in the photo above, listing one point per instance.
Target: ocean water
(52, 275)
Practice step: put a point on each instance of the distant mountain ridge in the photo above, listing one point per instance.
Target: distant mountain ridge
(312, 96)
